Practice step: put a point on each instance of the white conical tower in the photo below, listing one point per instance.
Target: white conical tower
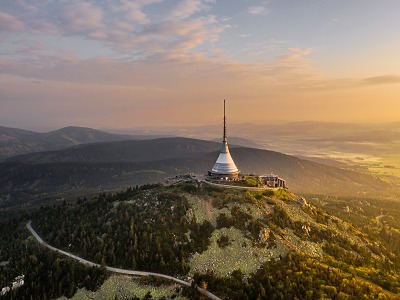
(225, 166)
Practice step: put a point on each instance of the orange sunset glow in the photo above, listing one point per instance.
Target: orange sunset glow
(122, 64)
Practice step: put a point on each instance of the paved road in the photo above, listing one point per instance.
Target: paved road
(116, 270)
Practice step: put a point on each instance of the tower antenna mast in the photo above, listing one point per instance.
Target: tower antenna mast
(225, 140)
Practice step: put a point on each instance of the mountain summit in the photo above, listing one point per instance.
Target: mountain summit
(239, 244)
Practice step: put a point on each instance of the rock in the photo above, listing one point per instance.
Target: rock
(303, 201)
(264, 235)
(189, 215)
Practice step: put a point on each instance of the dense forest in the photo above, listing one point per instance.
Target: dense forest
(155, 228)
(47, 275)
(129, 235)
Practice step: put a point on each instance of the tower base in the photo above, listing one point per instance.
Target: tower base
(219, 176)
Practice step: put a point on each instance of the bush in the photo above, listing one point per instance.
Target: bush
(223, 241)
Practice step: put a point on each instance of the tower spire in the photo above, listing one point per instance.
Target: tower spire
(224, 140)
(224, 166)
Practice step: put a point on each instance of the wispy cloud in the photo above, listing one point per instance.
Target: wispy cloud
(166, 71)
(78, 17)
(122, 26)
(136, 85)
(10, 23)
(264, 47)
(132, 11)
(258, 10)
(187, 8)
(296, 57)
(385, 79)
(183, 33)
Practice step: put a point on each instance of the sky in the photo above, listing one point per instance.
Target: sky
(125, 64)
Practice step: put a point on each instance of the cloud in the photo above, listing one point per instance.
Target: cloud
(386, 79)
(25, 6)
(295, 62)
(144, 44)
(122, 26)
(10, 23)
(41, 26)
(177, 37)
(258, 10)
(166, 71)
(77, 17)
(133, 10)
(126, 92)
(133, 88)
(186, 8)
(295, 54)
(264, 47)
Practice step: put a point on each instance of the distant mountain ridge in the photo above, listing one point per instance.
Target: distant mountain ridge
(125, 151)
(107, 166)
(15, 141)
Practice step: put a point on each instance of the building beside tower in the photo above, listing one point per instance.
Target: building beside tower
(224, 167)
(273, 181)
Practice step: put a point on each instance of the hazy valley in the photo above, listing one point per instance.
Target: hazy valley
(371, 147)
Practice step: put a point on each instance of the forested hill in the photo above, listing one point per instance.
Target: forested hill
(125, 151)
(239, 244)
(17, 142)
(44, 176)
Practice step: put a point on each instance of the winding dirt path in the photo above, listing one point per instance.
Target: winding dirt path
(116, 270)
